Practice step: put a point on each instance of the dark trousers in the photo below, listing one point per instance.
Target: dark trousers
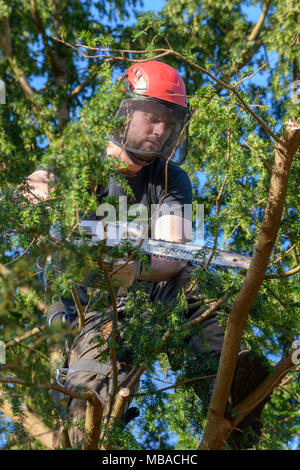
(89, 345)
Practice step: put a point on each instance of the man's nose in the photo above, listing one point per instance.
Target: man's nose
(159, 128)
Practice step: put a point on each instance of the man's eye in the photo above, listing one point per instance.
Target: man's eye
(152, 118)
(169, 125)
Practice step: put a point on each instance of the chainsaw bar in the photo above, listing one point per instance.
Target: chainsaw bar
(194, 254)
(116, 233)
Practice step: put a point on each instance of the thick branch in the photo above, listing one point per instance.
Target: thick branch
(264, 389)
(121, 399)
(47, 386)
(28, 334)
(291, 272)
(259, 394)
(93, 418)
(7, 48)
(49, 53)
(253, 35)
(79, 308)
(80, 87)
(30, 421)
(213, 437)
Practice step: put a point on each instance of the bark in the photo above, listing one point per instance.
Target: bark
(8, 51)
(252, 400)
(57, 60)
(93, 418)
(264, 389)
(218, 428)
(260, 22)
(56, 56)
(31, 423)
(120, 402)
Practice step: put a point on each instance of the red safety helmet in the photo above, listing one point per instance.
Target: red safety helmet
(156, 114)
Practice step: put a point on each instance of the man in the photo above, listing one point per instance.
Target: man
(152, 145)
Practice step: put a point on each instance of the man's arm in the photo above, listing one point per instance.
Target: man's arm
(41, 183)
(170, 228)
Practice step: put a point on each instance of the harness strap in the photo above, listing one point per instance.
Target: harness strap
(89, 366)
(81, 366)
(85, 365)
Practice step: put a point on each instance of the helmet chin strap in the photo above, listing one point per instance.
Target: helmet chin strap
(138, 161)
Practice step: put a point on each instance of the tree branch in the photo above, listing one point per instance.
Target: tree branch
(253, 35)
(251, 47)
(79, 308)
(38, 430)
(47, 386)
(49, 53)
(26, 335)
(7, 48)
(93, 418)
(260, 393)
(114, 332)
(75, 92)
(178, 384)
(30, 421)
(264, 389)
(118, 408)
(216, 427)
(291, 272)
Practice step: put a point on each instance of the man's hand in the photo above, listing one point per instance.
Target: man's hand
(125, 272)
(41, 184)
(130, 167)
(170, 228)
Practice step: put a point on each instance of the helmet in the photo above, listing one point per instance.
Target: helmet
(156, 114)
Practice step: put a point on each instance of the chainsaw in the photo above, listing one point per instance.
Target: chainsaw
(114, 233)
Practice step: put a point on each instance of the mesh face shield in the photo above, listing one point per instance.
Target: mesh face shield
(153, 128)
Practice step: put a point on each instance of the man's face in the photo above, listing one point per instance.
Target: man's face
(149, 127)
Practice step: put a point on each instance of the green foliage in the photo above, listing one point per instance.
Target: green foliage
(59, 127)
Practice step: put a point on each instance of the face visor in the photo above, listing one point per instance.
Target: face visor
(152, 128)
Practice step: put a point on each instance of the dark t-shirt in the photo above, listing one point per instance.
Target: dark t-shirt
(148, 188)
(148, 185)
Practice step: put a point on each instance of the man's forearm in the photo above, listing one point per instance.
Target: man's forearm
(162, 269)
(41, 183)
